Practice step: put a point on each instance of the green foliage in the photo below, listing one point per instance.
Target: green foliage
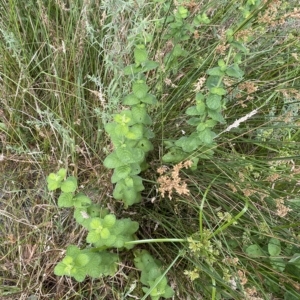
(104, 231)
(152, 276)
(130, 135)
(55, 180)
(110, 232)
(64, 86)
(207, 112)
(81, 263)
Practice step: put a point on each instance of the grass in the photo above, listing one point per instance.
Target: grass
(61, 78)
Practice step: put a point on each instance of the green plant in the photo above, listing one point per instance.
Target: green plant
(62, 79)
(130, 134)
(152, 276)
(206, 114)
(105, 231)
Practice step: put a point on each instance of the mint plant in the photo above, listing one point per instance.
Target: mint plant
(178, 30)
(205, 115)
(81, 263)
(130, 134)
(105, 232)
(156, 284)
(210, 102)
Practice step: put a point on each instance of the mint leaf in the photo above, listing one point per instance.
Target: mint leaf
(213, 101)
(120, 173)
(112, 161)
(206, 136)
(215, 72)
(135, 132)
(132, 69)
(131, 99)
(140, 54)
(234, 71)
(254, 251)
(140, 115)
(192, 111)
(149, 99)
(65, 200)
(145, 145)
(216, 115)
(149, 65)
(274, 247)
(218, 91)
(140, 89)
(81, 200)
(69, 185)
(54, 180)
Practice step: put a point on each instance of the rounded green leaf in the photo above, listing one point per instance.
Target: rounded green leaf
(218, 91)
(72, 251)
(131, 99)
(62, 173)
(54, 180)
(177, 51)
(274, 247)
(112, 161)
(120, 173)
(95, 223)
(79, 274)
(140, 89)
(119, 242)
(194, 121)
(192, 111)
(140, 54)
(132, 69)
(105, 233)
(140, 115)
(125, 155)
(149, 65)
(145, 145)
(135, 132)
(69, 185)
(188, 143)
(149, 99)
(254, 251)
(109, 220)
(201, 127)
(110, 240)
(60, 269)
(81, 200)
(128, 182)
(215, 72)
(213, 101)
(201, 107)
(53, 184)
(65, 200)
(278, 263)
(216, 115)
(82, 260)
(93, 237)
(234, 71)
(213, 81)
(206, 136)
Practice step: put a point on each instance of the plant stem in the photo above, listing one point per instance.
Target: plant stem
(155, 241)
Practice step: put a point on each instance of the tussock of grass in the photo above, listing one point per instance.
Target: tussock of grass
(61, 79)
